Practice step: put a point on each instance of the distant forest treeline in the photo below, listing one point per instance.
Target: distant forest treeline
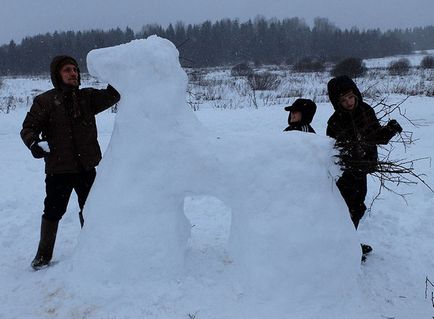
(223, 42)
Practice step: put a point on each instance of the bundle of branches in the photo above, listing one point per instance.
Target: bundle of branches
(387, 169)
(398, 171)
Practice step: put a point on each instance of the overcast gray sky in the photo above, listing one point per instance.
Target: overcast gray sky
(20, 18)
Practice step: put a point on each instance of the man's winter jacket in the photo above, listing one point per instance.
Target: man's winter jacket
(65, 117)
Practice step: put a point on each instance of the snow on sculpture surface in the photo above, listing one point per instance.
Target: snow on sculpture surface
(291, 236)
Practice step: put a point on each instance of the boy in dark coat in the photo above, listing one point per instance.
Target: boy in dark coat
(300, 116)
(357, 131)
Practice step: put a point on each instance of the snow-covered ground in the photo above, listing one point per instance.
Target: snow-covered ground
(215, 87)
(414, 58)
(391, 284)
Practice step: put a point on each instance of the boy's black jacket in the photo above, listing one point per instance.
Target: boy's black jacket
(299, 127)
(357, 132)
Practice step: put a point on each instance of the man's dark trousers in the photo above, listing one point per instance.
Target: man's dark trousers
(59, 188)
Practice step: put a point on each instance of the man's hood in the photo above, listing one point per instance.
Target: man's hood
(56, 65)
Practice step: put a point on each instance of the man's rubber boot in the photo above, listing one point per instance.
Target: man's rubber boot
(46, 244)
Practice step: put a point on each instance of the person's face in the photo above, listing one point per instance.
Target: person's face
(295, 116)
(348, 101)
(69, 74)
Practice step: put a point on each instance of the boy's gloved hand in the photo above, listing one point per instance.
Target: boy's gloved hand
(37, 150)
(394, 126)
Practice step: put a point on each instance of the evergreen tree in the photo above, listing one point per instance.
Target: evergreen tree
(224, 42)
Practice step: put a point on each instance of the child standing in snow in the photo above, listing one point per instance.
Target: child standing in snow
(357, 132)
(300, 116)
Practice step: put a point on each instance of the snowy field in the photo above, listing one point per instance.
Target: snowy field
(391, 284)
(414, 59)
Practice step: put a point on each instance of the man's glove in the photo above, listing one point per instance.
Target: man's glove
(394, 126)
(37, 151)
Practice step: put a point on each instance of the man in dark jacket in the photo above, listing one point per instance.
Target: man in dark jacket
(300, 115)
(65, 118)
(357, 131)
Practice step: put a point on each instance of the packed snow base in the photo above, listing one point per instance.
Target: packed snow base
(136, 233)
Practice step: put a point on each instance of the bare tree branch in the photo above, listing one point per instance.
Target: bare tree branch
(427, 281)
